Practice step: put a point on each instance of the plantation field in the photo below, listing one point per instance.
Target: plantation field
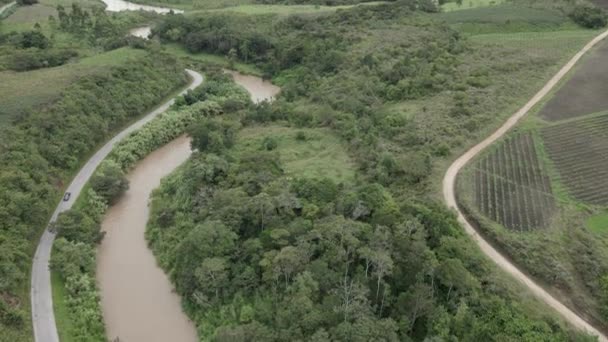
(21, 92)
(579, 151)
(511, 188)
(507, 18)
(189, 5)
(316, 154)
(585, 92)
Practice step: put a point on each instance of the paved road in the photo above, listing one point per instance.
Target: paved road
(7, 6)
(43, 318)
(504, 263)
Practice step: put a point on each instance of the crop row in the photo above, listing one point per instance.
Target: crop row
(511, 187)
(579, 151)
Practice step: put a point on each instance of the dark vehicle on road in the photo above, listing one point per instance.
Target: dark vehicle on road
(67, 196)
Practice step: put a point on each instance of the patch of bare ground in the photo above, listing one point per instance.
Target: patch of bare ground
(585, 92)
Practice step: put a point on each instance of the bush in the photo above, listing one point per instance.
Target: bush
(76, 226)
(109, 182)
(31, 59)
(589, 17)
(269, 143)
(27, 2)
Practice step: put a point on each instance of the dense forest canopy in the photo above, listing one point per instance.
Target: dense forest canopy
(375, 258)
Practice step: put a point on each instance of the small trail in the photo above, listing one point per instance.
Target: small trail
(449, 181)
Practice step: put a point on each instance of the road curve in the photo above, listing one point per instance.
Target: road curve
(43, 317)
(449, 181)
(7, 6)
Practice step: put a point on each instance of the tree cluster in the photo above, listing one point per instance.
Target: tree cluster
(259, 256)
(43, 148)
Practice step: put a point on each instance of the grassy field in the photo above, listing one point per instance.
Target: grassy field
(253, 9)
(245, 6)
(222, 61)
(24, 91)
(578, 151)
(511, 187)
(468, 4)
(598, 223)
(318, 154)
(584, 92)
(62, 318)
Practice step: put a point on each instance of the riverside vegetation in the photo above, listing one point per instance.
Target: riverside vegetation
(244, 234)
(50, 127)
(78, 229)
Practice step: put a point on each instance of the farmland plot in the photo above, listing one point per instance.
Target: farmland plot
(585, 92)
(579, 151)
(510, 186)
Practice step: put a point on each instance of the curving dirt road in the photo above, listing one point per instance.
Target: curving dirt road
(43, 317)
(449, 181)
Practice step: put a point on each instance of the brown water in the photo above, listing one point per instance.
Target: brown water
(138, 301)
(259, 89)
(137, 298)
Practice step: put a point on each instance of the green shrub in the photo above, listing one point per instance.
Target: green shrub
(109, 181)
(589, 17)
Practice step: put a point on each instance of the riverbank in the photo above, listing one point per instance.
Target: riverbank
(142, 304)
(43, 318)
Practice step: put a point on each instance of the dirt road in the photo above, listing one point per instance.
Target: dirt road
(450, 199)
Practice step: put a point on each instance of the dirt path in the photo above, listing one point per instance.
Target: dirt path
(450, 199)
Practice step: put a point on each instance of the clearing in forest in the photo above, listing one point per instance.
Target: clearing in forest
(304, 152)
(579, 152)
(510, 186)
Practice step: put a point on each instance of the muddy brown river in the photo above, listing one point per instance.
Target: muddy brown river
(259, 89)
(138, 301)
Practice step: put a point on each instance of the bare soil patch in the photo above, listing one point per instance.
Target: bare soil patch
(585, 92)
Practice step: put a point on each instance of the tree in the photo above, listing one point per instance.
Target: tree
(76, 226)
(213, 274)
(207, 240)
(109, 181)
